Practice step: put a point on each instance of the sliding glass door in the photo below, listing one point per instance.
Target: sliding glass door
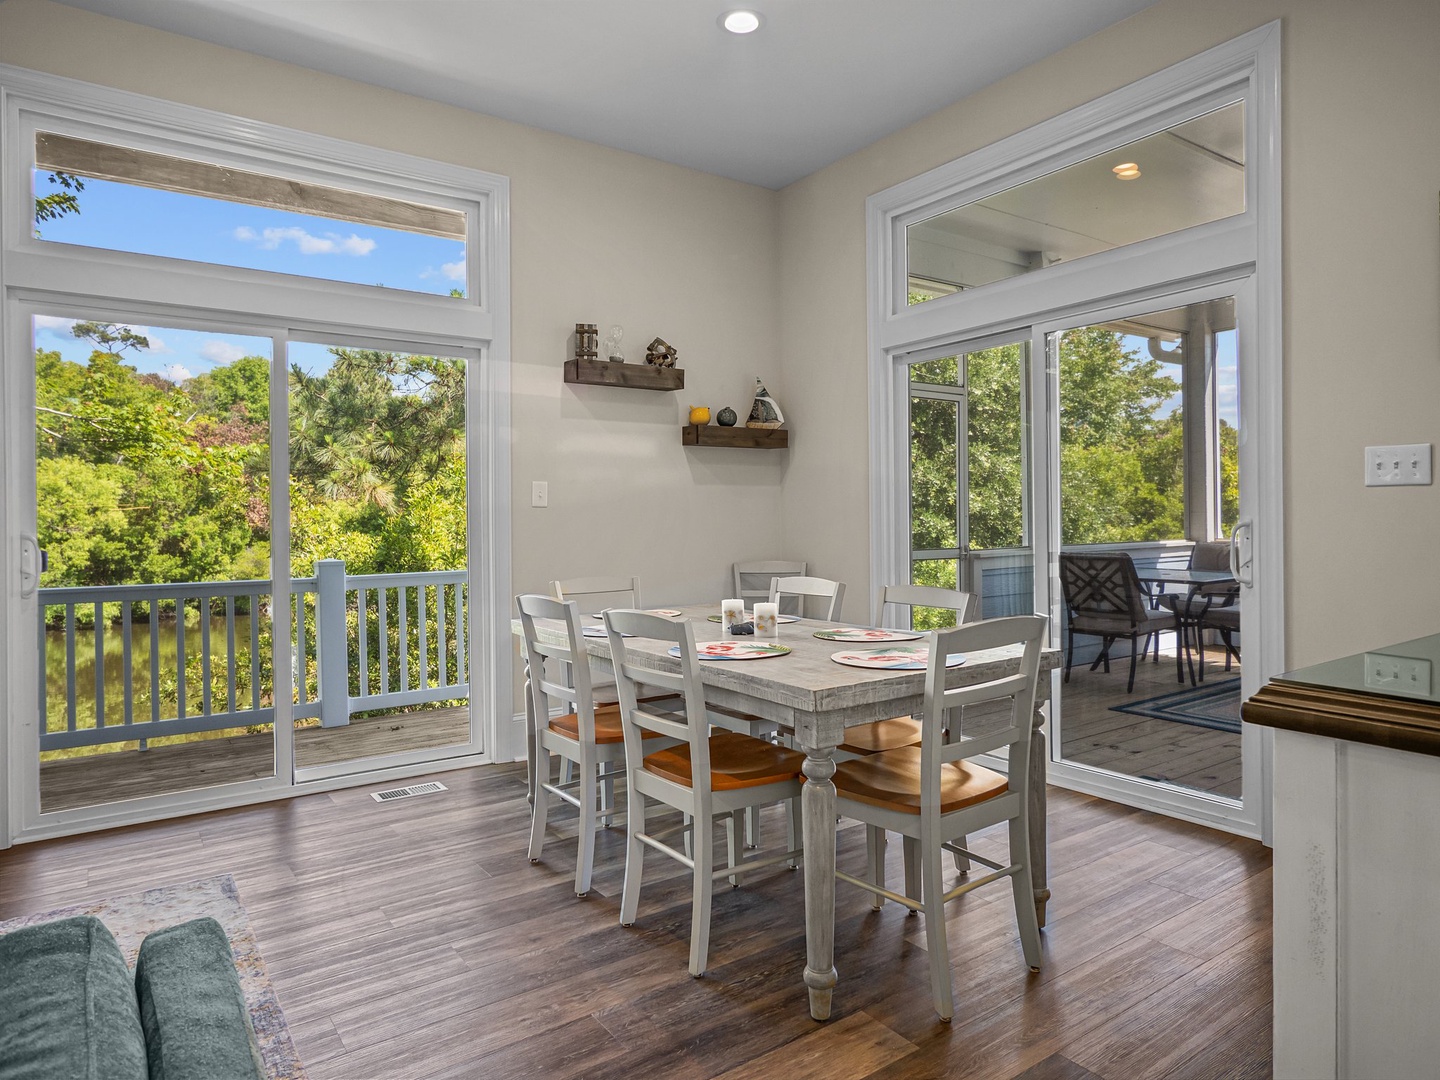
(378, 556)
(1145, 433)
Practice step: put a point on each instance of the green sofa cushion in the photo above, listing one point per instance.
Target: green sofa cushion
(67, 1005)
(191, 1006)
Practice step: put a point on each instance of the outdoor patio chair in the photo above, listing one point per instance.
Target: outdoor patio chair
(1104, 599)
(1191, 609)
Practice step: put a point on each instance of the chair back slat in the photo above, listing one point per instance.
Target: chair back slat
(936, 747)
(912, 596)
(569, 677)
(752, 581)
(833, 592)
(595, 593)
(634, 717)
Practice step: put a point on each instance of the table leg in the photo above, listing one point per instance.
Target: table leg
(818, 806)
(1039, 854)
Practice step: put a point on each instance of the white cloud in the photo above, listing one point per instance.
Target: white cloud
(177, 373)
(307, 243)
(454, 271)
(54, 322)
(221, 352)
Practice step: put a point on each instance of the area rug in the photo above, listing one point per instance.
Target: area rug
(133, 916)
(1214, 705)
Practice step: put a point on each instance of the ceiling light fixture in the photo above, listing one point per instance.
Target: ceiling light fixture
(1127, 170)
(740, 22)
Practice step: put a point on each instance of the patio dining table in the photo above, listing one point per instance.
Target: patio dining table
(816, 699)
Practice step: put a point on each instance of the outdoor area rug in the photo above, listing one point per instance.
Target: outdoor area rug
(1214, 705)
(133, 916)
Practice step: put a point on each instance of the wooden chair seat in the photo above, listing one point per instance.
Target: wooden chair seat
(892, 780)
(866, 739)
(736, 761)
(607, 726)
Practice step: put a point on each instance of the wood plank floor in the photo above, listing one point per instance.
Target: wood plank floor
(414, 939)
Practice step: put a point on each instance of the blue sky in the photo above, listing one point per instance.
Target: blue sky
(124, 217)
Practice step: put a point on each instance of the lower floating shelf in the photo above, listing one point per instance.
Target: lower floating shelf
(751, 438)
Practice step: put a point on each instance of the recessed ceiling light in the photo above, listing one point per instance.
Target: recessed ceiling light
(1127, 170)
(740, 22)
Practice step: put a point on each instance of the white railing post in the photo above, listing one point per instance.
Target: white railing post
(331, 660)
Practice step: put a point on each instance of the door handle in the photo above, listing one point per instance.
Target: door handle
(1242, 565)
(31, 565)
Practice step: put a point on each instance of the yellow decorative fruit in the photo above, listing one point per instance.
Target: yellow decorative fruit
(699, 414)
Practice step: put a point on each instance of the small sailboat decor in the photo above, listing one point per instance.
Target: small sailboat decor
(765, 410)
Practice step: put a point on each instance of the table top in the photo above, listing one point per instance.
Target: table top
(1183, 575)
(805, 688)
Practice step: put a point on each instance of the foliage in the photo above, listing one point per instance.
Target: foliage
(144, 480)
(1121, 461)
(57, 204)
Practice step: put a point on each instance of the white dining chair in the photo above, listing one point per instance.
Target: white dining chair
(895, 732)
(831, 592)
(588, 735)
(707, 775)
(935, 794)
(752, 581)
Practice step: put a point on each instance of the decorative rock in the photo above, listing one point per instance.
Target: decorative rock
(740, 629)
(726, 417)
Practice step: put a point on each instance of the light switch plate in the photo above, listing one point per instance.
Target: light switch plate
(1397, 674)
(1390, 466)
(539, 493)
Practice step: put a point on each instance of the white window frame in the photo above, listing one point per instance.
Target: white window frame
(38, 275)
(1243, 251)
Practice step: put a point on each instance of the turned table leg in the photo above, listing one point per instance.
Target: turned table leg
(1039, 860)
(818, 805)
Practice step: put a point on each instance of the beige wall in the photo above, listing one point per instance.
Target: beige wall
(1362, 293)
(598, 236)
(745, 281)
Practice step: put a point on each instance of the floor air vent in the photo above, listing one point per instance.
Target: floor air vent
(408, 792)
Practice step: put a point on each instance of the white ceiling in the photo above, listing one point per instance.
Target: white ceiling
(818, 80)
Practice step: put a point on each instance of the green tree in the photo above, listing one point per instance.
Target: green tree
(241, 387)
(58, 204)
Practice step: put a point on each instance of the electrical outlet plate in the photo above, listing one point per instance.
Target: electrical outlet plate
(1390, 466)
(1397, 674)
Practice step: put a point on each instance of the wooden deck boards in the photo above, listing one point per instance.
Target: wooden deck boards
(415, 939)
(130, 774)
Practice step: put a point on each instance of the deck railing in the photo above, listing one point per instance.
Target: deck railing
(357, 644)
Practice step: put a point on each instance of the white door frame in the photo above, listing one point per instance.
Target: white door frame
(35, 274)
(1240, 255)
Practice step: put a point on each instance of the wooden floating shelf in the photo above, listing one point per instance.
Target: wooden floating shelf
(752, 438)
(632, 376)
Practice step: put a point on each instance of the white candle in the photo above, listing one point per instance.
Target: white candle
(767, 622)
(732, 613)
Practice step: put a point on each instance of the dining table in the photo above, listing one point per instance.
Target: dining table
(814, 699)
